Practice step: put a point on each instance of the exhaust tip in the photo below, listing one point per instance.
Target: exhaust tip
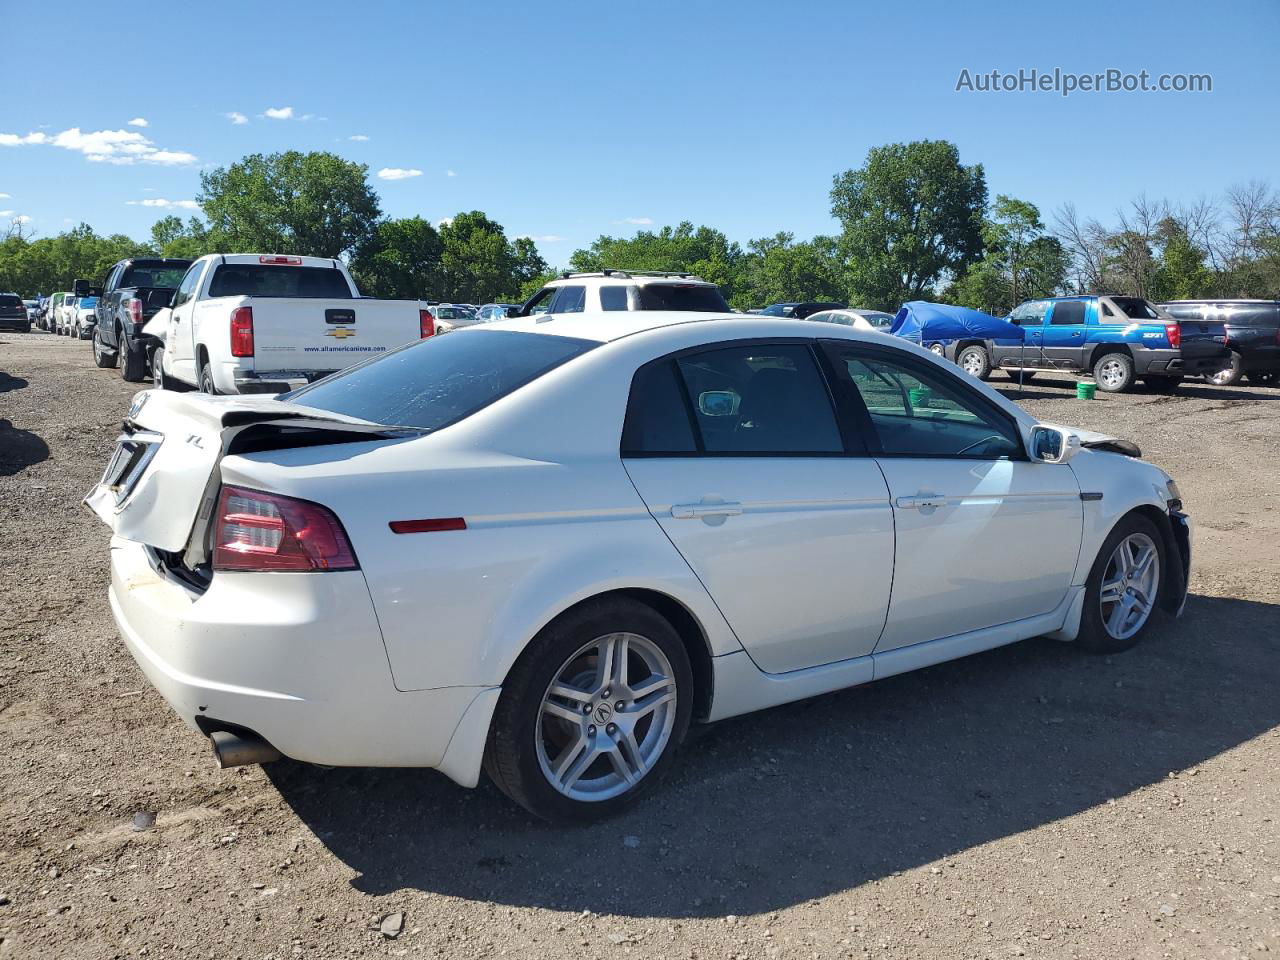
(239, 749)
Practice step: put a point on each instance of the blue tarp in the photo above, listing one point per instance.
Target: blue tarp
(923, 322)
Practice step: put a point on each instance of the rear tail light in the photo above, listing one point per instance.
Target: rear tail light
(267, 532)
(281, 261)
(1174, 333)
(426, 324)
(135, 310)
(242, 332)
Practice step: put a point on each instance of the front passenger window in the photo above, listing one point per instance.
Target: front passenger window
(914, 411)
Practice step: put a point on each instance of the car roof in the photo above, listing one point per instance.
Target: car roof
(620, 277)
(608, 326)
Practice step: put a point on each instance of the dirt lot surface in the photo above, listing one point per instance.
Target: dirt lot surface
(1031, 801)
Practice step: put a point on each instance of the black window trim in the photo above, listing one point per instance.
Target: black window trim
(849, 438)
(862, 416)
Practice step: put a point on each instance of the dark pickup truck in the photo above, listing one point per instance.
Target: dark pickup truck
(134, 291)
(1253, 336)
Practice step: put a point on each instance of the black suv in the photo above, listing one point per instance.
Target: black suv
(13, 313)
(1253, 335)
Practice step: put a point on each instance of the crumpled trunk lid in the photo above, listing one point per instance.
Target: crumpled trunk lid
(162, 477)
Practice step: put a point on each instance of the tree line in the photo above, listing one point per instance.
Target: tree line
(913, 223)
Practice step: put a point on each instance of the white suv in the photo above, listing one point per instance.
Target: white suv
(626, 290)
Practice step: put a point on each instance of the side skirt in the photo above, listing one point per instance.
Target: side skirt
(741, 687)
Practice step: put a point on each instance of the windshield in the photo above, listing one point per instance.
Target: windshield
(262, 280)
(1135, 308)
(453, 313)
(682, 296)
(778, 310)
(435, 382)
(157, 275)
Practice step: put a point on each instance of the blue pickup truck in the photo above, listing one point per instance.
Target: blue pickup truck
(1117, 339)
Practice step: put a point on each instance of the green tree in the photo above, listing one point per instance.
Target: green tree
(779, 269)
(300, 203)
(531, 268)
(702, 251)
(1020, 260)
(480, 263)
(173, 238)
(910, 216)
(401, 259)
(1181, 274)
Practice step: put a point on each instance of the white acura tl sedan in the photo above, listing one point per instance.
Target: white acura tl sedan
(544, 546)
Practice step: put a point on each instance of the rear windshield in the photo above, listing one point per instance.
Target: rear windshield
(682, 296)
(9, 300)
(141, 275)
(262, 280)
(453, 313)
(1135, 308)
(441, 380)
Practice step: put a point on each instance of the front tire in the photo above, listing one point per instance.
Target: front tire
(1113, 372)
(1123, 590)
(592, 713)
(102, 357)
(1229, 375)
(975, 362)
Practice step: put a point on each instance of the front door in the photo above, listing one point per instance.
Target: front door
(984, 536)
(737, 453)
(178, 345)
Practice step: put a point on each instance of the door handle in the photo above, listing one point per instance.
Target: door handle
(694, 511)
(921, 502)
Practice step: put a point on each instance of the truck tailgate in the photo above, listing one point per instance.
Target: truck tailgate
(324, 334)
(1203, 339)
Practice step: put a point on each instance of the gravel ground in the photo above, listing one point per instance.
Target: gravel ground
(1031, 801)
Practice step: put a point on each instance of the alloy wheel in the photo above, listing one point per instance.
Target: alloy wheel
(1111, 373)
(607, 717)
(1129, 586)
(972, 364)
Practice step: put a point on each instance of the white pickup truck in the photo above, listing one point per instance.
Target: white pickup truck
(267, 323)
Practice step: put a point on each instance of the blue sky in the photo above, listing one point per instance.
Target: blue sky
(567, 121)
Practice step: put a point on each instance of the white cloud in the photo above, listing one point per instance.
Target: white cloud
(279, 113)
(120, 147)
(307, 116)
(139, 122)
(6, 196)
(236, 117)
(636, 221)
(358, 137)
(6, 213)
(444, 222)
(397, 173)
(21, 218)
(161, 202)
(541, 238)
(450, 173)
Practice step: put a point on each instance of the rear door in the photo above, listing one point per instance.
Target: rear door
(984, 536)
(737, 452)
(1064, 333)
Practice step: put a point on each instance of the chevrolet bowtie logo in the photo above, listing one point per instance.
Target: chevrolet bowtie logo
(341, 333)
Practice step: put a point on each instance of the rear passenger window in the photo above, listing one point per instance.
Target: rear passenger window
(613, 298)
(657, 414)
(569, 300)
(760, 399)
(1067, 312)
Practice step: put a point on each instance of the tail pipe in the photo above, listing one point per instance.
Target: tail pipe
(238, 749)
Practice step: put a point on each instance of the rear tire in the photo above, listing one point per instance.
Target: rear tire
(158, 379)
(102, 357)
(1103, 627)
(975, 362)
(206, 380)
(536, 731)
(1113, 372)
(133, 363)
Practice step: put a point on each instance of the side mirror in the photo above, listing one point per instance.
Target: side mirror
(81, 288)
(718, 403)
(1052, 445)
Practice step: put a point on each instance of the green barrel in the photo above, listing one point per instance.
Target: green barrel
(1086, 391)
